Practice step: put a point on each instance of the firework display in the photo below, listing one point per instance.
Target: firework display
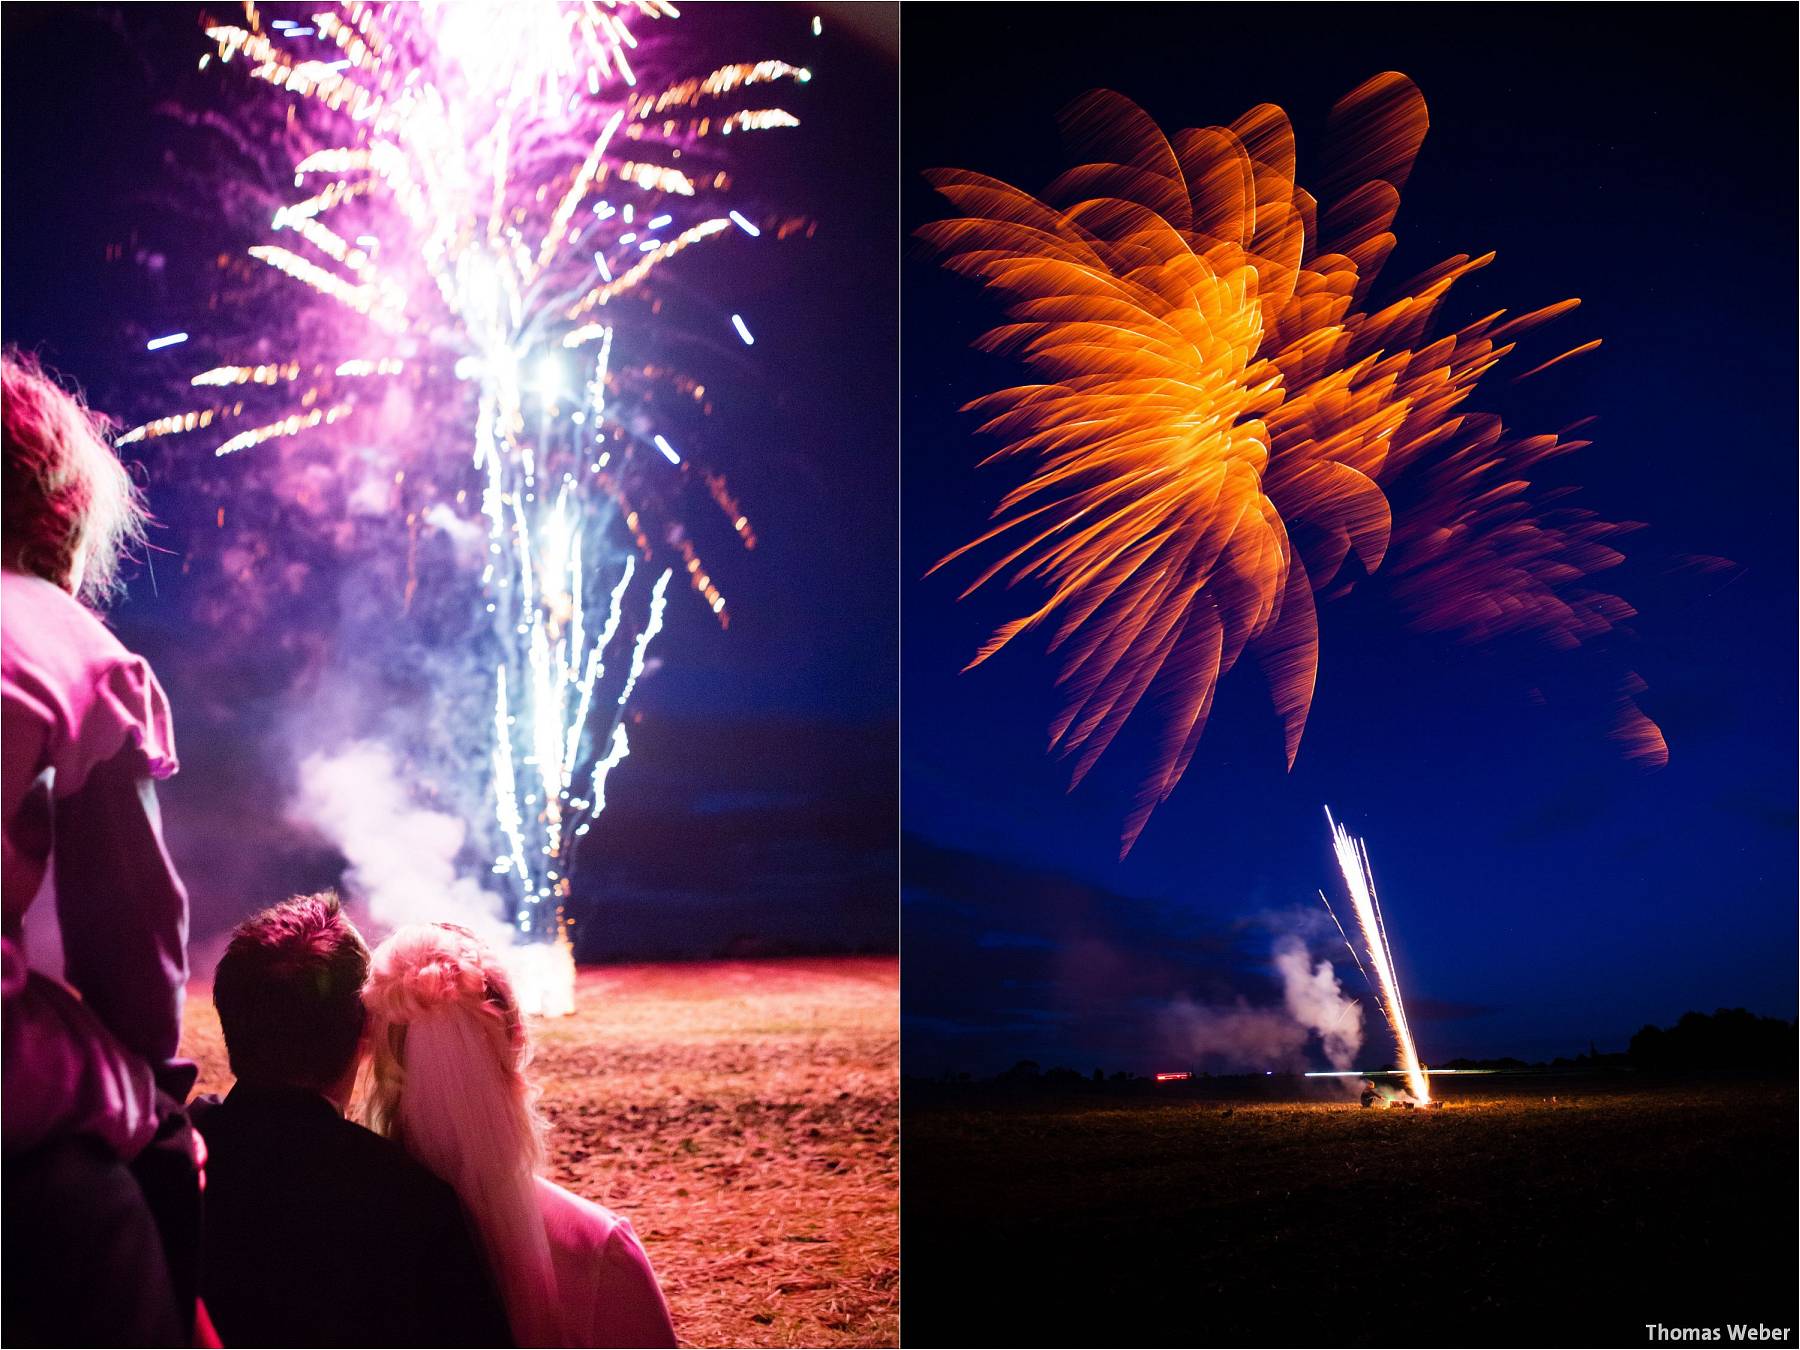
(1365, 905)
(1225, 413)
(483, 198)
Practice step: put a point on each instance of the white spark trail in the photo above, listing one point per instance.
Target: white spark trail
(1359, 879)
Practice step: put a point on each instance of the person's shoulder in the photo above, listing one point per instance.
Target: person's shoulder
(382, 1155)
(62, 668)
(218, 1121)
(337, 1151)
(574, 1221)
(391, 1180)
(43, 616)
(200, 1109)
(596, 1250)
(577, 1226)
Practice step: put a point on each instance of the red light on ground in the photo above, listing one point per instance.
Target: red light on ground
(1173, 1077)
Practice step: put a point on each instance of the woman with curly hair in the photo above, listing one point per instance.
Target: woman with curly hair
(448, 1082)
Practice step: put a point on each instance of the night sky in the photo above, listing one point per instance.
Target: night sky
(757, 810)
(1541, 893)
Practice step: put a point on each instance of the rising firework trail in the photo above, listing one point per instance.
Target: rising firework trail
(1222, 415)
(1359, 880)
(484, 196)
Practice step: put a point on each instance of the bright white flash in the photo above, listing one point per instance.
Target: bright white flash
(551, 376)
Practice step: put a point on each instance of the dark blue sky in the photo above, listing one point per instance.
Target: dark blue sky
(759, 804)
(1540, 892)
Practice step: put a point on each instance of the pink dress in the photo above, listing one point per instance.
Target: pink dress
(84, 729)
(607, 1294)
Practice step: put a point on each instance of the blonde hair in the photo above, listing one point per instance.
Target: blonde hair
(447, 1082)
(71, 511)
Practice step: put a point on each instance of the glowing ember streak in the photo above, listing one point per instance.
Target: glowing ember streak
(171, 425)
(361, 298)
(659, 251)
(451, 254)
(1353, 861)
(1220, 413)
(266, 374)
(291, 425)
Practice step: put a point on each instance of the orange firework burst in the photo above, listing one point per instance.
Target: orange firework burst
(1222, 413)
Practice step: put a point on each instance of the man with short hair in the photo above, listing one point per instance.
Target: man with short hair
(318, 1231)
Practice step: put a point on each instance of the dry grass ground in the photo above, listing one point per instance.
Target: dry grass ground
(1528, 1212)
(744, 1115)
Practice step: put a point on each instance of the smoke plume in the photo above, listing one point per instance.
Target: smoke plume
(402, 856)
(1243, 1036)
(1315, 1000)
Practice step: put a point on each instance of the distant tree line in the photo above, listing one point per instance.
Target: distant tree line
(1730, 1038)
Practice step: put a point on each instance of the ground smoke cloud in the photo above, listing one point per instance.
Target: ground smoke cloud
(402, 857)
(1316, 1001)
(1241, 1036)
(402, 861)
